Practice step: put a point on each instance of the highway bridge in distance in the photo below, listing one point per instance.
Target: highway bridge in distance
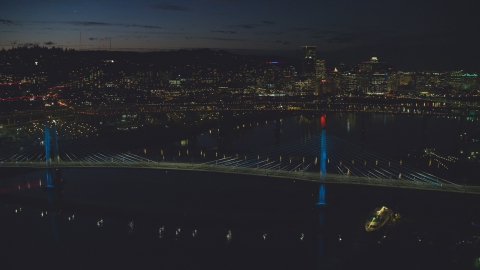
(428, 106)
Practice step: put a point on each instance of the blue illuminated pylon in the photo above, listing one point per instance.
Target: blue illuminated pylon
(56, 156)
(323, 156)
(323, 160)
(321, 195)
(48, 175)
(47, 144)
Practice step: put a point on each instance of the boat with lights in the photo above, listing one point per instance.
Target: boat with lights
(378, 218)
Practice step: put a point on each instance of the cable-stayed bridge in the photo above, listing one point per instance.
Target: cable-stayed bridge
(58, 145)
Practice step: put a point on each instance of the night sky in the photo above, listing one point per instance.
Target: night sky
(409, 34)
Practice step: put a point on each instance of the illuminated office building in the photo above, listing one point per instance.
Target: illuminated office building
(308, 60)
(319, 76)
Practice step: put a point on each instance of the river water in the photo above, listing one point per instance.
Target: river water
(385, 134)
(151, 219)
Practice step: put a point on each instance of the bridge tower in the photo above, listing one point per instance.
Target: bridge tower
(48, 160)
(323, 159)
(323, 148)
(56, 155)
(48, 175)
(47, 144)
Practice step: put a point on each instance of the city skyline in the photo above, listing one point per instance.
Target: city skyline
(415, 35)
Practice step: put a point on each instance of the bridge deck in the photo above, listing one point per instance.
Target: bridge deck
(303, 176)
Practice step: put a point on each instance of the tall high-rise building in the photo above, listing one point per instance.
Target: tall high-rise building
(319, 76)
(320, 70)
(308, 61)
(373, 76)
(348, 82)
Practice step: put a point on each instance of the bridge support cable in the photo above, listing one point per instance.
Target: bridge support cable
(8, 151)
(20, 152)
(96, 153)
(338, 161)
(272, 165)
(246, 163)
(115, 152)
(227, 161)
(367, 165)
(84, 152)
(359, 159)
(92, 151)
(371, 158)
(296, 155)
(296, 150)
(347, 158)
(273, 153)
(35, 154)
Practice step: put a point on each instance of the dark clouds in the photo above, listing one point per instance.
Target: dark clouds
(28, 44)
(169, 7)
(409, 31)
(268, 22)
(7, 22)
(91, 23)
(253, 25)
(215, 38)
(80, 23)
(146, 26)
(223, 32)
(245, 26)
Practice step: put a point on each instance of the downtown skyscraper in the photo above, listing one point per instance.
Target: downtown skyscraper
(309, 54)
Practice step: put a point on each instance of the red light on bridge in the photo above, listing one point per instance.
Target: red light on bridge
(323, 121)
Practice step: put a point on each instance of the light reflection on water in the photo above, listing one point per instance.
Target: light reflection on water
(386, 134)
(274, 221)
(134, 218)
